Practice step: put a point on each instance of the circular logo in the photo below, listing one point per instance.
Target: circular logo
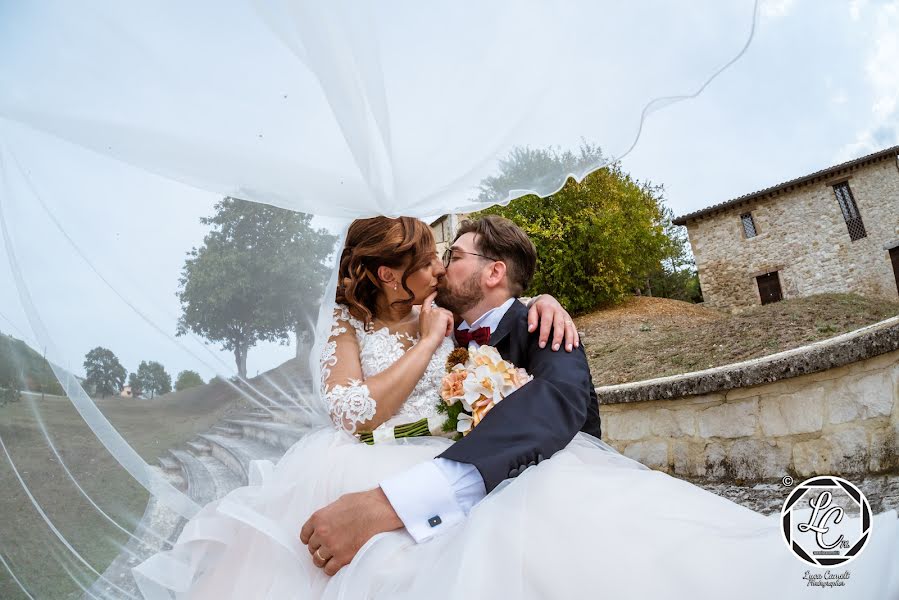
(826, 521)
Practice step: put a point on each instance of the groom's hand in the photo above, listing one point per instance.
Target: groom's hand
(550, 314)
(335, 533)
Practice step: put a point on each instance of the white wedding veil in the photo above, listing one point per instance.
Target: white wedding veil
(123, 124)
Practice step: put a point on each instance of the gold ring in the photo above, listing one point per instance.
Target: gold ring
(319, 556)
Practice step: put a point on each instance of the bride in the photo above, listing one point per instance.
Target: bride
(583, 520)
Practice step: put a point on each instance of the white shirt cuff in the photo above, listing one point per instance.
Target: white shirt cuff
(423, 500)
(433, 496)
(466, 481)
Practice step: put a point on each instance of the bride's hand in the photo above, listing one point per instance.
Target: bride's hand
(550, 314)
(434, 323)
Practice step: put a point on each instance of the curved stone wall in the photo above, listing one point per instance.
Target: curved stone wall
(827, 408)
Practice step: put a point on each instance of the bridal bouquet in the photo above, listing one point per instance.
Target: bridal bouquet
(475, 382)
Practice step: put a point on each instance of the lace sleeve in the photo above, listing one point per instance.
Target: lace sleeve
(347, 397)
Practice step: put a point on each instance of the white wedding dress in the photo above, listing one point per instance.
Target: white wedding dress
(587, 523)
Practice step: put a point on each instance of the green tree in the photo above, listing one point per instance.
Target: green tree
(10, 382)
(10, 376)
(538, 170)
(134, 383)
(86, 386)
(187, 379)
(257, 277)
(152, 379)
(104, 373)
(9, 390)
(596, 240)
(676, 276)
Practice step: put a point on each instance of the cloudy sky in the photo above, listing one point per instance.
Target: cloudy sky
(818, 85)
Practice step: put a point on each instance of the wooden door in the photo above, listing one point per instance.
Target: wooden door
(769, 288)
(894, 258)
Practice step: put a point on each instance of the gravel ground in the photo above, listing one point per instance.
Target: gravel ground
(882, 492)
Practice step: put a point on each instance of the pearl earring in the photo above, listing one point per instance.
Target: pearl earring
(394, 286)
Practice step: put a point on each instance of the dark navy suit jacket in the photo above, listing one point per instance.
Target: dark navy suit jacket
(541, 417)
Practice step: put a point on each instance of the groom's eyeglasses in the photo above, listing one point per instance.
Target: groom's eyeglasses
(448, 255)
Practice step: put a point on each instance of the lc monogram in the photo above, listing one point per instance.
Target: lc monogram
(818, 520)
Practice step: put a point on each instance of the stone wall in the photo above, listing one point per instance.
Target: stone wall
(821, 417)
(803, 236)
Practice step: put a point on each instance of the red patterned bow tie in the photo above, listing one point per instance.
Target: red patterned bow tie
(481, 335)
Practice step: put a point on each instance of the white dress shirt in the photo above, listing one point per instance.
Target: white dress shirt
(431, 497)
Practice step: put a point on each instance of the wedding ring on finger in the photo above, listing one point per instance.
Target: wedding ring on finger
(319, 556)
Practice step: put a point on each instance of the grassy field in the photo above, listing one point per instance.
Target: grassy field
(654, 337)
(27, 542)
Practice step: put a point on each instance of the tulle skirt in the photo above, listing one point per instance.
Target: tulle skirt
(587, 523)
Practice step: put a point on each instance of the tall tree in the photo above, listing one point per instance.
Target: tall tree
(152, 379)
(254, 278)
(134, 384)
(187, 379)
(299, 273)
(676, 276)
(104, 373)
(537, 169)
(597, 240)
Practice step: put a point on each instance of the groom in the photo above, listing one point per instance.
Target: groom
(490, 263)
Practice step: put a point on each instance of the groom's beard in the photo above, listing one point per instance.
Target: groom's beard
(463, 298)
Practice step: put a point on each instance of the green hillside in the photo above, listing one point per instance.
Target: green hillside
(22, 368)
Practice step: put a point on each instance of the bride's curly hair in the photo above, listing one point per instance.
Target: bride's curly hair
(376, 242)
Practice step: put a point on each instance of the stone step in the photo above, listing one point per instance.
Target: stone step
(288, 413)
(169, 464)
(227, 431)
(258, 414)
(198, 447)
(280, 435)
(201, 485)
(225, 479)
(236, 454)
(175, 476)
(157, 529)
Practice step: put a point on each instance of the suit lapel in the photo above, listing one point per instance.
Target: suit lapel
(508, 321)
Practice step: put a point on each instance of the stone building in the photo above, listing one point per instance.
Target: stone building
(835, 230)
(444, 229)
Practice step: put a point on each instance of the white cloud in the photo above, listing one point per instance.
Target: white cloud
(856, 7)
(838, 94)
(882, 70)
(773, 9)
(881, 74)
